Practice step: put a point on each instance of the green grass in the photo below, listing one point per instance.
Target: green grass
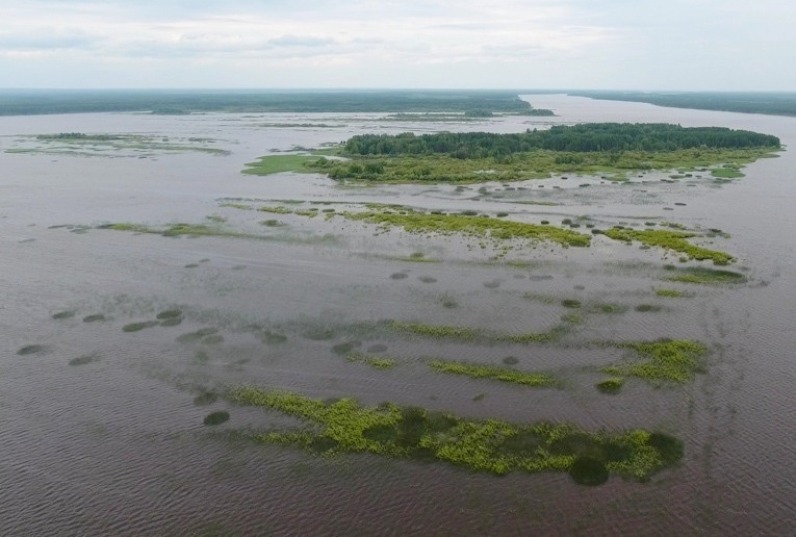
(669, 240)
(493, 446)
(466, 334)
(670, 293)
(503, 374)
(664, 360)
(526, 165)
(705, 276)
(271, 164)
(378, 362)
(475, 226)
(727, 172)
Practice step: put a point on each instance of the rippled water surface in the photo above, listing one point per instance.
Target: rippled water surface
(101, 427)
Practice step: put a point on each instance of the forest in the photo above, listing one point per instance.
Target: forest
(782, 103)
(179, 102)
(611, 137)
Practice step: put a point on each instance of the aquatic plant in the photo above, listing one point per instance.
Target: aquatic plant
(494, 446)
(670, 360)
(169, 314)
(475, 226)
(670, 293)
(216, 418)
(484, 371)
(84, 359)
(462, 333)
(379, 362)
(612, 385)
(30, 349)
(669, 240)
(93, 318)
(63, 315)
(702, 275)
(137, 326)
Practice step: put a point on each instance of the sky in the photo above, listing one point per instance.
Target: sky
(724, 45)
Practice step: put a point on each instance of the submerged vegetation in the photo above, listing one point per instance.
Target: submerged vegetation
(461, 333)
(79, 143)
(379, 362)
(703, 275)
(503, 374)
(492, 446)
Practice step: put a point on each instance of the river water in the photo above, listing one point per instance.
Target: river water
(117, 445)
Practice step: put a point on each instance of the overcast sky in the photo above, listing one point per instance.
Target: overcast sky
(588, 44)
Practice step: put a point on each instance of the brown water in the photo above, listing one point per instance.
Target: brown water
(116, 446)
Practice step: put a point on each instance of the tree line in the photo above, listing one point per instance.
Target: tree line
(590, 137)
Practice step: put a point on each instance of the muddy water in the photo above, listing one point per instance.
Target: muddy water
(114, 444)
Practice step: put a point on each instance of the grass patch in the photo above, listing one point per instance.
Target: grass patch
(63, 315)
(94, 318)
(466, 334)
(669, 240)
(669, 360)
(379, 362)
(503, 374)
(670, 293)
(474, 226)
(497, 447)
(727, 172)
(271, 164)
(705, 276)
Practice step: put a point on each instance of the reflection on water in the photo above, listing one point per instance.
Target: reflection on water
(117, 345)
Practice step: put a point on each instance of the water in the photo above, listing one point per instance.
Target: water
(117, 445)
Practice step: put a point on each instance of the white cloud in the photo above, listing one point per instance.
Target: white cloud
(390, 43)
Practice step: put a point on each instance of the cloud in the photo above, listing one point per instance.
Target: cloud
(625, 43)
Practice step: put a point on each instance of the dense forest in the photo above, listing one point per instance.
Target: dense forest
(484, 103)
(783, 104)
(602, 137)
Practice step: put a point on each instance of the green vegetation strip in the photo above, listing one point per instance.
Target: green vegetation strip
(669, 240)
(476, 226)
(271, 164)
(705, 276)
(379, 362)
(491, 445)
(503, 374)
(466, 334)
(670, 360)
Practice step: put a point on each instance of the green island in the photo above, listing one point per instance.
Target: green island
(595, 148)
(494, 446)
(502, 374)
